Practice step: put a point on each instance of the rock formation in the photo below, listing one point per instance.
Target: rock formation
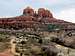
(31, 18)
(38, 33)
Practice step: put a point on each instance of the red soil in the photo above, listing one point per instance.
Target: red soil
(6, 53)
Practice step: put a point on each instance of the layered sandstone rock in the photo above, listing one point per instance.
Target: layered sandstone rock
(30, 17)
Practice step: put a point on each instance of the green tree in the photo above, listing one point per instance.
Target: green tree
(53, 26)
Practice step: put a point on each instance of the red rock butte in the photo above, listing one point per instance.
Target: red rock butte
(31, 19)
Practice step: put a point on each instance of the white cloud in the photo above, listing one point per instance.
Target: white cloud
(67, 15)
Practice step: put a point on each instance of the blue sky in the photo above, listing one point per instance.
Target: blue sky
(61, 9)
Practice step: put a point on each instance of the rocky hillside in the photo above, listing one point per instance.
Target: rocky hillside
(36, 33)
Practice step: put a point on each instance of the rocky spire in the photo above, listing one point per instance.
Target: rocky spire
(28, 11)
(44, 13)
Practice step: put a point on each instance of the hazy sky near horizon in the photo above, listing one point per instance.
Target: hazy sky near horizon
(61, 9)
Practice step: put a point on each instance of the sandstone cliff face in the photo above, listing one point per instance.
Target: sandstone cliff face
(31, 18)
